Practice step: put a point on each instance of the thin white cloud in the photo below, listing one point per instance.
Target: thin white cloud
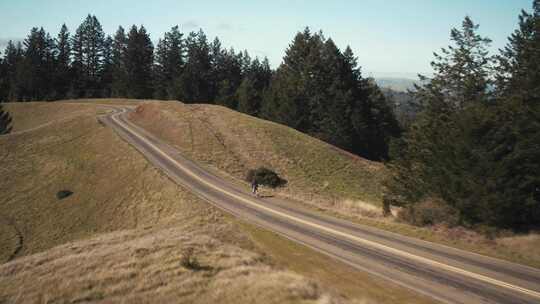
(190, 25)
(225, 26)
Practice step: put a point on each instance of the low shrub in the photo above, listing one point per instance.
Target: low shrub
(266, 177)
(63, 194)
(430, 212)
(189, 260)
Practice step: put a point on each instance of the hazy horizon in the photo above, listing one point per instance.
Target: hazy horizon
(391, 39)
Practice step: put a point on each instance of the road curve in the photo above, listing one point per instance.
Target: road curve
(443, 273)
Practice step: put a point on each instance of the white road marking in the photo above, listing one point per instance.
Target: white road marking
(330, 230)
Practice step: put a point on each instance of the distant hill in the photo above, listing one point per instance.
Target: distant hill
(396, 84)
(404, 104)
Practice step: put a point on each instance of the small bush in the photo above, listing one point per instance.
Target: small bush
(189, 260)
(63, 194)
(266, 177)
(430, 212)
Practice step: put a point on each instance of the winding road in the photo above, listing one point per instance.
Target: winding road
(446, 274)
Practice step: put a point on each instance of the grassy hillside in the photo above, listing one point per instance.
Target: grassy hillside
(123, 232)
(319, 175)
(150, 220)
(232, 142)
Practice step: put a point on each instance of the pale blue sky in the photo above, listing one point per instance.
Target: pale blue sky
(390, 37)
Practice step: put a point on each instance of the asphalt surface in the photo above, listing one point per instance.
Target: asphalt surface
(446, 274)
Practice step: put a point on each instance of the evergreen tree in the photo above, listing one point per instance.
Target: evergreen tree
(248, 97)
(226, 75)
(461, 72)
(319, 90)
(88, 43)
(432, 158)
(62, 73)
(169, 65)
(194, 85)
(13, 57)
(107, 70)
(479, 157)
(519, 61)
(36, 71)
(253, 87)
(4, 81)
(374, 124)
(287, 101)
(139, 61)
(5, 121)
(119, 72)
(78, 82)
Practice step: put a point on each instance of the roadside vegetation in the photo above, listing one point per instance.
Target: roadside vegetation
(474, 149)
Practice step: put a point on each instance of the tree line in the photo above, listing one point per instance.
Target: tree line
(318, 89)
(473, 153)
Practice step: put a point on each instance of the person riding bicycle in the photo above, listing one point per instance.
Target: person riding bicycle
(254, 187)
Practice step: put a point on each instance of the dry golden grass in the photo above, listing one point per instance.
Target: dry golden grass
(120, 237)
(143, 266)
(233, 143)
(321, 177)
(336, 276)
(29, 115)
(113, 186)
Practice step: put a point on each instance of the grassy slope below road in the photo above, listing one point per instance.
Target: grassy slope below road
(122, 233)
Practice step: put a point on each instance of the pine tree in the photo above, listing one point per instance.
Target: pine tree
(169, 65)
(462, 71)
(480, 157)
(287, 101)
(88, 43)
(519, 61)
(4, 81)
(194, 85)
(78, 83)
(106, 73)
(139, 61)
(253, 87)
(5, 121)
(119, 72)
(319, 90)
(62, 74)
(36, 72)
(226, 75)
(13, 58)
(248, 97)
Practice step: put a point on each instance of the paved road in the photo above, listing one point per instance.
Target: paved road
(443, 273)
